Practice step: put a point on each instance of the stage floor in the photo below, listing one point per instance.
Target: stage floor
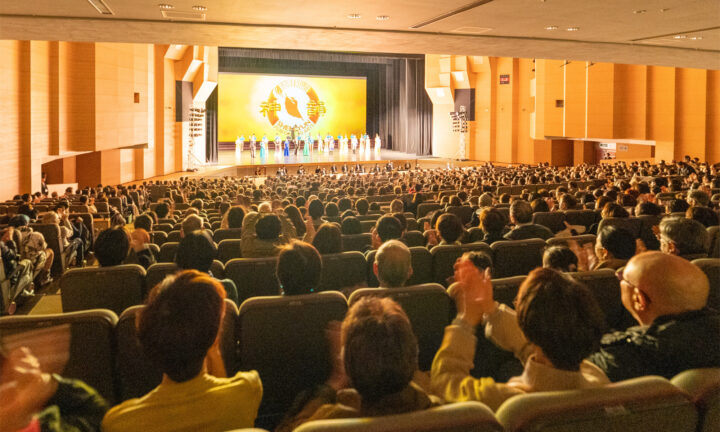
(228, 158)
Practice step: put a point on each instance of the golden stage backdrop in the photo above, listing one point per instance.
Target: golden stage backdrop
(275, 104)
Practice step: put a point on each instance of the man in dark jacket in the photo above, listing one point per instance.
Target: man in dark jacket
(521, 217)
(667, 296)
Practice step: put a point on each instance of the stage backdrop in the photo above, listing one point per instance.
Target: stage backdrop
(278, 104)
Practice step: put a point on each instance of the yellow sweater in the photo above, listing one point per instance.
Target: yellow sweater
(205, 403)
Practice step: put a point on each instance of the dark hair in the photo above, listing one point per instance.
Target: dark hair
(388, 227)
(561, 316)
(331, 209)
(235, 216)
(181, 322)
(328, 239)
(677, 206)
(521, 211)
(293, 213)
(351, 225)
(450, 227)
(19, 221)
(380, 348)
(648, 208)
(196, 251)
(539, 205)
(481, 260)
(299, 267)
(162, 210)
(560, 258)
(491, 220)
(112, 246)
(268, 227)
(362, 206)
(704, 215)
(143, 221)
(613, 209)
(316, 209)
(619, 242)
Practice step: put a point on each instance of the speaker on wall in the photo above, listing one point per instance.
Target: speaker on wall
(466, 98)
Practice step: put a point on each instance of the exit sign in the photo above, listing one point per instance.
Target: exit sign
(504, 79)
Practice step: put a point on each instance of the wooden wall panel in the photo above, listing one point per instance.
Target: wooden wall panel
(629, 102)
(599, 95)
(712, 114)
(574, 96)
(506, 124)
(660, 123)
(526, 105)
(690, 109)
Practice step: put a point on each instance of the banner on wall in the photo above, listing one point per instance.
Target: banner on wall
(282, 105)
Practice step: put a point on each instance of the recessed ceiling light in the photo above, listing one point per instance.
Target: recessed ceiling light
(166, 6)
(639, 11)
(354, 16)
(382, 17)
(572, 28)
(679, 37)
(199, 8)
(178, 46)
(664, 9)
(551, 27)
(696, 37)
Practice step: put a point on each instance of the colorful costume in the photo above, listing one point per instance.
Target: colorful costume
(286, 145)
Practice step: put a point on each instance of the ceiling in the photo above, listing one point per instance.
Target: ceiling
(659, 32)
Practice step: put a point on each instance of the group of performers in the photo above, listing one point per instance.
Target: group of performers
(326, 144)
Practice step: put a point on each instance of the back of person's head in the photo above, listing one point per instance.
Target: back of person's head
(162, 210)
(196, 251)
(648, 208)
(19, 220)
(617, 241)
(235, 217)
(268, 227)
(539, 205)
(299, 267)
(521, 211)
(143, 221)
(388, 228)
(293, 213)
(180, 323)
(397, 206)
(677, 206)
(450, 227)
(491, 220)
(328, 239)
(112, 246)
(698, 198)
(560, 316)
(380, 349)
(682, 236)
(560, 258)
(197, 203)
(485, 200)
(331, 209)
(316, 209)
(351, 225)
(613, 209)
(362, 206)
(393, 264)
(704, 215)
(479, 259)
(191, 223)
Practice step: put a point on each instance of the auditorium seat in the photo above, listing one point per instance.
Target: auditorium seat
(579, 239)
(605, 286)
(632, 225)
(414, 238)
(174, 236)
(136, 375)
(444, 258)
(115, 288)
(475, 234)
(158, 237)
(284, 339)
(457, 417)
(168, 251)
(343, 270)
(585, 218)
(412, 223)
(703, 386)
(214, 224)
(51, 233)
(711, 267)
(157, 272)
(421, 262)
(516, 257)
(253, 277)
(713, 241)
(429, 309)
(367, 225)
(92, 344)
(426, 208)
(505, 289)
(164, 227)
(226, 233)
(369, 217)
(463, 212)
(87, 219)
(555, 221)
(647, 404)
(229, 249)
(356, 242)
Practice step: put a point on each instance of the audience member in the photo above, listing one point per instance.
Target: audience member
(386, 228)
(299, 268)
(328, 239)
(112, 246)
(521, 216)
(683, 237)
(560, 258)
(31, 245)
(197, 251)
(392, 265)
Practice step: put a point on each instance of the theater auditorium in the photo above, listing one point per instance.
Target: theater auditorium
(473, 215)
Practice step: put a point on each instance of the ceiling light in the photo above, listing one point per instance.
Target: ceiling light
(101, 7)
(664, 9)
(199, 8)
(354, 16)
(551, 27)
(696, 37)
(679, 37)
(639, 11)
(178, 46)
(166, 6)
(382, 17)
(572, 28)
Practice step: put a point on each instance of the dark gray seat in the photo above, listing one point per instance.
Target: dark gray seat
(703, 386)
(229, 249)
(253, 277)
(168, 251)
(343, 270)
(555, 221)
(444, 258)
(115, 288)
(356, 242)
(711, 267)
(605, 286)
(227, 233)
(158, 271)
(516, 257)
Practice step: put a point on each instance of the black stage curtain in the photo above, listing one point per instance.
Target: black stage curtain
(211, 127)
(398, 108)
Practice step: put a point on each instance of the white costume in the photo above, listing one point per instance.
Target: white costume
(377, 143)
(239, 142)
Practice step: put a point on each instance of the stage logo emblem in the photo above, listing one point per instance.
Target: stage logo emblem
(293, 105)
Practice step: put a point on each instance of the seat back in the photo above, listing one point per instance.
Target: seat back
(227, 233)
(92, 344)
(632, 225)
(343, 270)
(646, 404)
(414, 238)
(516, 257)
(457, 417)
(253, 277)
(703, 386)
(552, 220)
(159, 237)
(168, 251)
(283, 338)
(137, 375)
(429, 309)
(174, 236)
(579, 239)
(356, 242)
(605, 286)
(229, 249)
(51, 233)
(444, 258)
(164, 227)
(585, 218)
(425, 208)
(367, 225)
(505, 289)
(463, 212)
(115, 288)
(711, 267)
(420, 259)
(713, 241)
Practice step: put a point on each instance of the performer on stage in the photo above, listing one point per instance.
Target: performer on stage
(239, 143)
(306, 147)
(263, 147)
(278, 146)
(353, 143)
(297, 146)
(319, 140)
(253, 140)
(377, 143)
(286, 144)
(332, 142)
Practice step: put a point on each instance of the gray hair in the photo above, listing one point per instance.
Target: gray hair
(393, 259)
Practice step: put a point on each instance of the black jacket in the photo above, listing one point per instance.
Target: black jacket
(670, 345)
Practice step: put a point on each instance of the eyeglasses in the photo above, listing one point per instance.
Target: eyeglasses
(621, 277)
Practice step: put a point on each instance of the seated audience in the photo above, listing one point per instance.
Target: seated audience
(299, 268)
(191, 223)
(667, 296)
(560, 258)
(479, 259)
(144, 221)
(351, 226)
(492, 222)
(140, 251)
(112, 246)
(377, 355)
(233, 218)
(179, 332)
(704, 215)
(450, 229)
(197, 251)
(521, 217)
(558, 323)
(613, 248)
(327, 239)
(392, 265)
(386, 228)
(683, 237)
(31, 245)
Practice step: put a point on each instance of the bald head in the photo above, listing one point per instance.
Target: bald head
(663, 284)
(393, 264)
